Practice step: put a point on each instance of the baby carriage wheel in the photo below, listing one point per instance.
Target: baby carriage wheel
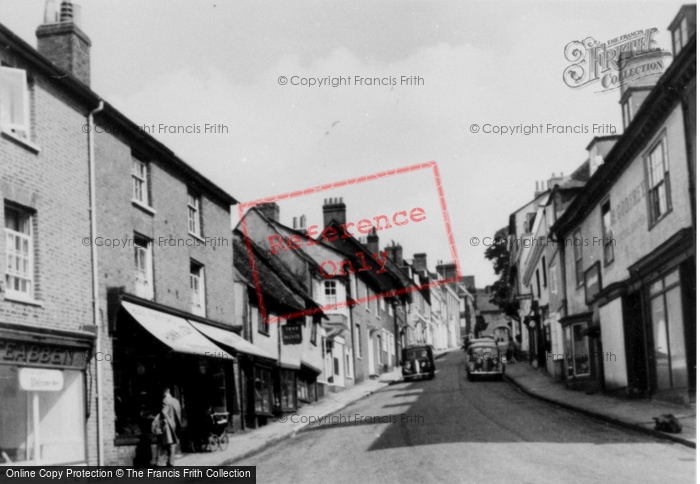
(213, 443)
(223, 441)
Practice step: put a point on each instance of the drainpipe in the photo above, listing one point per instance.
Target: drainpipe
(95, 283)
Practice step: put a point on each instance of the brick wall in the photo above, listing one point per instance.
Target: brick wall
(173, 248)
(54, 183)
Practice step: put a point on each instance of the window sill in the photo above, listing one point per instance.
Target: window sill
(23, 300)
(198, 237)
(143, 206)
(264, 334)
(21, 141)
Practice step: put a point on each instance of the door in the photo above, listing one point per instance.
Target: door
(635, 345)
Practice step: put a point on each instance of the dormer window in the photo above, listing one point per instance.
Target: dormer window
(680, 36)
(627, 113)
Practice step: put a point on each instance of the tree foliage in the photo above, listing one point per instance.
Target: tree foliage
(502, 291)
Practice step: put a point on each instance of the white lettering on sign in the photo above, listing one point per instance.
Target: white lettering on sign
(40, 380)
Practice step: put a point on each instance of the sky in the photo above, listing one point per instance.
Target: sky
(192, 62)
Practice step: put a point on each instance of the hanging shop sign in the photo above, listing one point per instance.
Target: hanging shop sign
(291, 334)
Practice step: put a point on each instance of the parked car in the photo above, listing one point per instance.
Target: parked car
(485, 359)
(418, 362)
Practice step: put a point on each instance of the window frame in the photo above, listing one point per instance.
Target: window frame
(263, 326)
(28, 217)
(330, 288)
(149, 293)
(358, 341)
(20, 131)
(142, 178)
(578, 259)
(608, 245)
(553, 279)
(201, 276)
(194, 214)
(665, 181)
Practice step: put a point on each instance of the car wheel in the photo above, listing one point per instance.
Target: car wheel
(469, 376)
(431, 376)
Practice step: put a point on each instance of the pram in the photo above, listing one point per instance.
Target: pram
(213, 436)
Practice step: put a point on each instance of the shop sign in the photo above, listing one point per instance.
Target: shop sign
(291, 334)
(21, 353)
(40, 380)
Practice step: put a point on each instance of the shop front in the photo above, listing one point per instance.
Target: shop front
(660, 319)
(580, 365)
(153, 350)
(253, 370)
(43, 399)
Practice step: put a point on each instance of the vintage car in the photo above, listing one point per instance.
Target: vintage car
(417, 362)
(485, 359)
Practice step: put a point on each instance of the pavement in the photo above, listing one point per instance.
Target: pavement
(632, 414)
(251, 442)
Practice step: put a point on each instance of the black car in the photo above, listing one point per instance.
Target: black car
(418, 362)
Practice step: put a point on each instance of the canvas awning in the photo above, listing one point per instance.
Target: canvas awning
(231, 340)
(175, 332)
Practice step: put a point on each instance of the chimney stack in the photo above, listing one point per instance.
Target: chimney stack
(61, 40)
(373, 241)
(270, 210)
(333, 209)
(447, 271)
(302, 222)
(395, 253)
(420, 262)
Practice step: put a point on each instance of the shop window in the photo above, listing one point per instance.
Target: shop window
(669, 341)
(608, 242)
(659, 181)
(285, 397)
(194, 214)
(197, 289)
(580, 357)
(41, 427)
(143, 261)
(14, 102)
(578, 256)
(139, 180)
(19, 276)
(263, 390)
(303, 391)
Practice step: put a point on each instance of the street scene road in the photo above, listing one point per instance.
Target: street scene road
(452, 430)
